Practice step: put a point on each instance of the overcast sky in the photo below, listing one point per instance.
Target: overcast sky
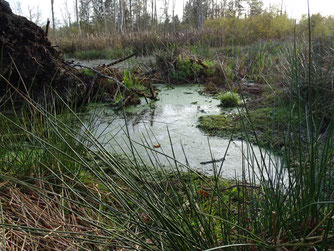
(294, 8)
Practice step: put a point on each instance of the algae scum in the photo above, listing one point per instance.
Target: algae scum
(169, 127)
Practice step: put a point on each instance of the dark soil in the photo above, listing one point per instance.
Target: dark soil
(30, 64)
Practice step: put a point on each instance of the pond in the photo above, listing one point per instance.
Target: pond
(169, 126)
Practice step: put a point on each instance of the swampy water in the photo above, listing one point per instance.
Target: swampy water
(169, 127)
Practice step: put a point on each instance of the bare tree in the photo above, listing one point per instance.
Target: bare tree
(66, 14)
(121, 15)
(85, 13)
(30, 13)
(223, 7)
(77, 16)
(34, 14)
(200, 19)
(17, 8)
(130, 23)
(173, 14)
(115, 14)
(255, 7)
(166, 16)
(281, 12)
(152, 14)
(239, 7)
(155, 13)
(53, 17)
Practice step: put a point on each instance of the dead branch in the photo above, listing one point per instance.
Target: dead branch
(121, 60)
(120, 84)
(47, 28)
(212, 161)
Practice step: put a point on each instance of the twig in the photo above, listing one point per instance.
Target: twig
(153, 96)
(51, 232)
(212, 161)
(102, 75)
(121, 60)
(47, 28)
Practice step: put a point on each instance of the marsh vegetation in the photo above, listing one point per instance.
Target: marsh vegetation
(113, 172)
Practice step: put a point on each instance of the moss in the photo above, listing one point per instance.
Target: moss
(230, 99)
(213, 124)
(264, 126)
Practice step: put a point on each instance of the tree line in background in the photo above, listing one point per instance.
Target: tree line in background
(247, 19)
(158, 15)
(243, 16)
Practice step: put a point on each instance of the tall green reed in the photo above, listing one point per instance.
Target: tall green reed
(168, 207)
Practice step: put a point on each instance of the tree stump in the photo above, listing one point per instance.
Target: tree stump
(31, 66)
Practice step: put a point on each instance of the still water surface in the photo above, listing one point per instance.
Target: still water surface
(173, 120)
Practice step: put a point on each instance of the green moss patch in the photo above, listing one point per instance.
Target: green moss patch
(214, 124)
(229, 99)
(264, 126)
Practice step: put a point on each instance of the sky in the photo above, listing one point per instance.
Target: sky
(294, 8)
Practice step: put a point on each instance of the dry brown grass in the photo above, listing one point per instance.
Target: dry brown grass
(142, 43)
(34, 220)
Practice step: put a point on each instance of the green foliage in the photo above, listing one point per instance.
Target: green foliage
(201, 50)
(210, 67)
(131, 81)
(20, 144)
(189, 69)
(321, 27)
(165, 56)
(229, 99)
(231, 30)
(250, 29)
(185, 70)
(88, 72)
(118, 99)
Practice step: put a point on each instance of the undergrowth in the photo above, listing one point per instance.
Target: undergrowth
(64, 188)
